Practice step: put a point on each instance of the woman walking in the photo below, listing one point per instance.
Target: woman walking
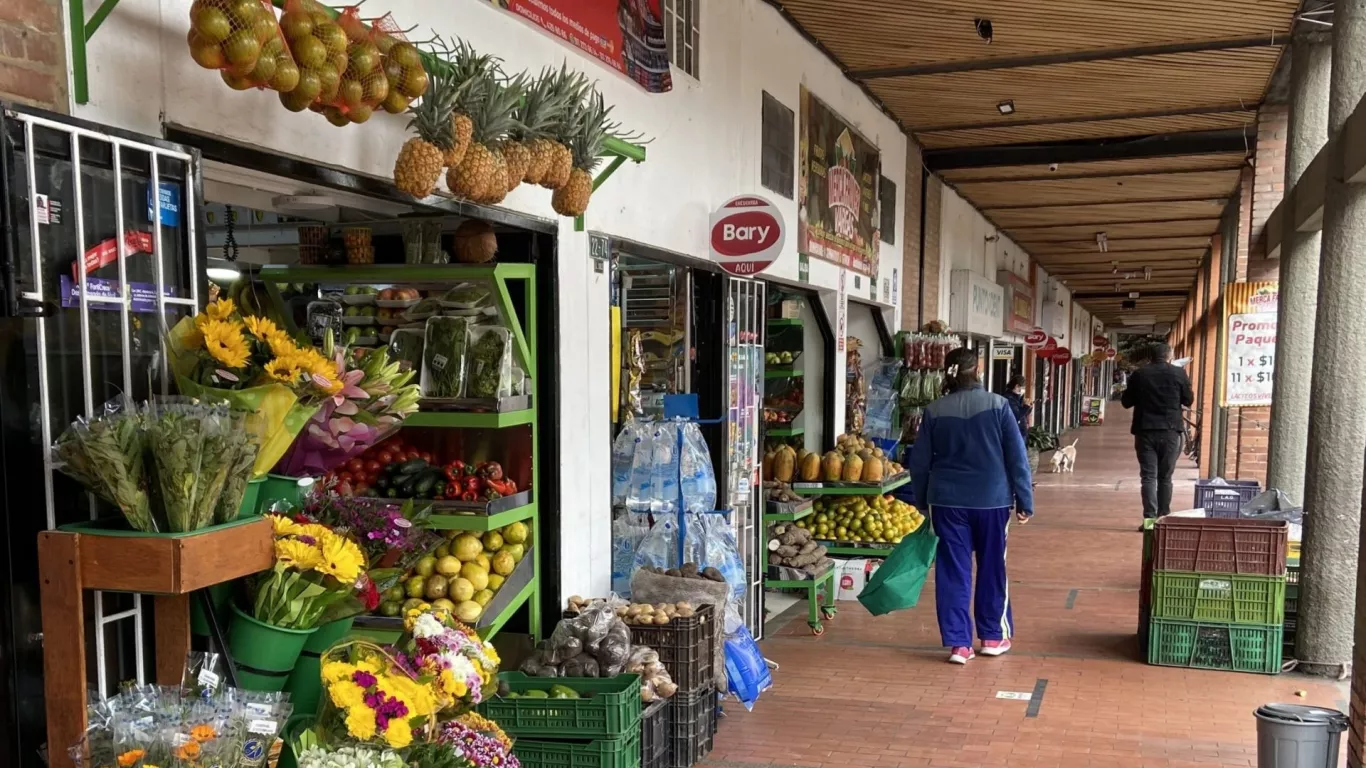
(969, 470)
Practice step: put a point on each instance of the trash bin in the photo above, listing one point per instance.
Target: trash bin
(1296, 736)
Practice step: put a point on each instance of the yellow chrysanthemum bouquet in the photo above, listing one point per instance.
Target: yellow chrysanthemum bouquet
(256, 367)
(369, 699)
(315, 568)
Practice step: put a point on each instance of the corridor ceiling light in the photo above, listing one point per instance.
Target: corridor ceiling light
(1102, 242)
(1006, 107)
(1147, 273)
(222, 270)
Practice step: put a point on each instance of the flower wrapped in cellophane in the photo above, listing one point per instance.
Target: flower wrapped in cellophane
(315, 569)
(370, 699)
(255, 366)
(462, 667)
(480, 742)
(376, 396)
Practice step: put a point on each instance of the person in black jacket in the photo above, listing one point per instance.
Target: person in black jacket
(1018, 405)
(1158, 392)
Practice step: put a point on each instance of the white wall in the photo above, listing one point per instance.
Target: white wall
(964, 244)
(705, 149)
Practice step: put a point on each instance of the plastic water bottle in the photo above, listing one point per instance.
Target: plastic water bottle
(628, 531)
(639, 489)
(623, 456)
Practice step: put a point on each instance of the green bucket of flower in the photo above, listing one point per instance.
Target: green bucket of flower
(305, 682)
(315, 570)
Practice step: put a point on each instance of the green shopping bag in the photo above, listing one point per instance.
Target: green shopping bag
(897, 584)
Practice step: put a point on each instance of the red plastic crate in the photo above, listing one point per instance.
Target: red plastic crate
(1255, 547)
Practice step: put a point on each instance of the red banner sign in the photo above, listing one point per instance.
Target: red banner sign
(1062, 356)
(1099, 341)
(107, 252)
(627, 35)
(1110, 353)
(1047, 349)
(1036, 338)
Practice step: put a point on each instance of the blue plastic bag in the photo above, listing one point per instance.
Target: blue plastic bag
(747, 673)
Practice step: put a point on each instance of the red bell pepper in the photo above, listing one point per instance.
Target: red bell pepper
(474, 484)
(469, 496)
(455, 470)
(491, 470)
(453, 490)
(501, 487)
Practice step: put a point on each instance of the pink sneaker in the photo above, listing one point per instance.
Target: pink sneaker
(961, 656)
(995, 647)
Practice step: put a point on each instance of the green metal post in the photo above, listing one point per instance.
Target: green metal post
(534, 602)
(80, 85)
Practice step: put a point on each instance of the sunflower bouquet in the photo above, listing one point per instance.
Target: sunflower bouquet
(370, 699)
(315, 568)
(253, 364)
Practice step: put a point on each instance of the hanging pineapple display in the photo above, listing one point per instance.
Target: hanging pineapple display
(470, 72)
(541, 109)
(592, 127)
(481, 176)
(422, 158)
(575, 88)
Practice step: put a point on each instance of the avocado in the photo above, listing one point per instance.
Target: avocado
(535, 695)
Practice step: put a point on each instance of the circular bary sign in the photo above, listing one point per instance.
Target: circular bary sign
(746, 235)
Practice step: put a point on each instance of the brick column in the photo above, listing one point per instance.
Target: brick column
(33, 53)
(911, 244)
(929, 288)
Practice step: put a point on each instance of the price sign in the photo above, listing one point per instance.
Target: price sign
(1251, 358)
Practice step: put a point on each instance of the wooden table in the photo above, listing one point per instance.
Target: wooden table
(167, 567)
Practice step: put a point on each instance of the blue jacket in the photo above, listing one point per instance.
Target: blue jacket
(969, 453)
(1021, 410)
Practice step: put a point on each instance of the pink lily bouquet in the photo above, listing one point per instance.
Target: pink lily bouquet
(375, 397)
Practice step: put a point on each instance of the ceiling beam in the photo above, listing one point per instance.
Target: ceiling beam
(1069, 57)
(1120, 201)
(1220, 109)
(960, 183)
(1089, 150)
(1008, 230)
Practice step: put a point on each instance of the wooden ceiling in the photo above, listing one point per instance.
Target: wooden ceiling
(1132, 119)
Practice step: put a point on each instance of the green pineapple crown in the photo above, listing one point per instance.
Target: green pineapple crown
(432, 114)
(573, 88)
(593, 126)
(471, 70)
(542, 108)
(494, 114)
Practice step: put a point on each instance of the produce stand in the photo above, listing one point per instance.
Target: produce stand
(852, 489)
(168, 566)
(816, 609)
(522, 589)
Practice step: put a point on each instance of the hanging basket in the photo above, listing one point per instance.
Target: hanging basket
(265, 654)
(305, 683)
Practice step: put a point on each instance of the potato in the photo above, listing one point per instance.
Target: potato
(686, 612)
(661, 619)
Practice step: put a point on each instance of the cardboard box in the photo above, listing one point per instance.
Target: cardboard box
(850, 579)
(791, 309)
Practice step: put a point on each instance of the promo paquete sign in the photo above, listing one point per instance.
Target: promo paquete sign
(746, 235)
(1250, 342)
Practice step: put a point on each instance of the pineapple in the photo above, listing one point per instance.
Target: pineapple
(555, 153)
(481, 175)
(470, 71)
(420, 161)
(546, 105)
(593, 128)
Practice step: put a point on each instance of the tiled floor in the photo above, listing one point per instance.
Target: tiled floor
(878, 692)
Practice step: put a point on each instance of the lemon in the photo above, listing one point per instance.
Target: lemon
(476, 575)
(467, 547)
(461, 590)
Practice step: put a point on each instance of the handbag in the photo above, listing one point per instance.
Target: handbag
(897, 584)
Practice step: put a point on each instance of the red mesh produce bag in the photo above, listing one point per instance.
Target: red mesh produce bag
(402, 65)
(242, 40)
(318, 45)
(363, 85)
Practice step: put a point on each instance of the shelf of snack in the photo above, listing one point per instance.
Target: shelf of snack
(920, 379)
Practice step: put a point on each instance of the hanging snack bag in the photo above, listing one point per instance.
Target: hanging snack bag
(490, 362)
(402, 66)
(443, 357)
(319, 47)
(242, 40)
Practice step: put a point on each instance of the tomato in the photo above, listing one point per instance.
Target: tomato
(410, 455)
(346, 478)
(355, 465)
(372, 467)
(385, 458)
(425, 456)
(363, 489)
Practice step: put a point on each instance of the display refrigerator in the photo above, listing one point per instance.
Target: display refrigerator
(99, 257)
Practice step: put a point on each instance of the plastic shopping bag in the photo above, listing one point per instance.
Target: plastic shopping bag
(747, 673)
(897, 584)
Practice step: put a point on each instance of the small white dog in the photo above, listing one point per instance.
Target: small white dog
(1065, 458)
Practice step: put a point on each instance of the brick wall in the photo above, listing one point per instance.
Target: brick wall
(929, 288)
(910, 244)
(1261, 189)
(33, 53)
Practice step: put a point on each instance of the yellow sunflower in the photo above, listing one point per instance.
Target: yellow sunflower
(225, 343)
(261, 327)
(280, 343)
(315, 530)
(222, 309)
(282, 526)
(341, 558)
(283, 370)
(360, 722)
(297, 554)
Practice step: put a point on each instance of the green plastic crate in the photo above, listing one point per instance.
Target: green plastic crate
(1210, 645)
(610, 709)
(603, 753)
(1221, 597)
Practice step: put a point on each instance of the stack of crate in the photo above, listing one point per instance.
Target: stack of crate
(1292, 605)
(1217, 596)
(599, 729)
(687, 649)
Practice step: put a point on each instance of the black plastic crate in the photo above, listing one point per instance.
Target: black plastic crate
(686, 648)
(1224, 501)
(692, 727)
(654, 735)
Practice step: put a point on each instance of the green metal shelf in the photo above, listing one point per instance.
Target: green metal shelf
(782, 373)
(482, 523)
(470, 420)
(784, 431)
(876, 490)
(517, 602)
(845, 551)
(789, 517)
(816, 610)
(780, 322)
(393, 273)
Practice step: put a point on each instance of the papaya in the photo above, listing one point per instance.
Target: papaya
(766, 466)
(872, 470)
(853, 469)
(809, 467)
(784, 464)
(833, 466)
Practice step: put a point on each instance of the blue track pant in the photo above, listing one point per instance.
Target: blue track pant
(964, 533)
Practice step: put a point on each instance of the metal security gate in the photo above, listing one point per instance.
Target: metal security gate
(744, 360)
(100, 256)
